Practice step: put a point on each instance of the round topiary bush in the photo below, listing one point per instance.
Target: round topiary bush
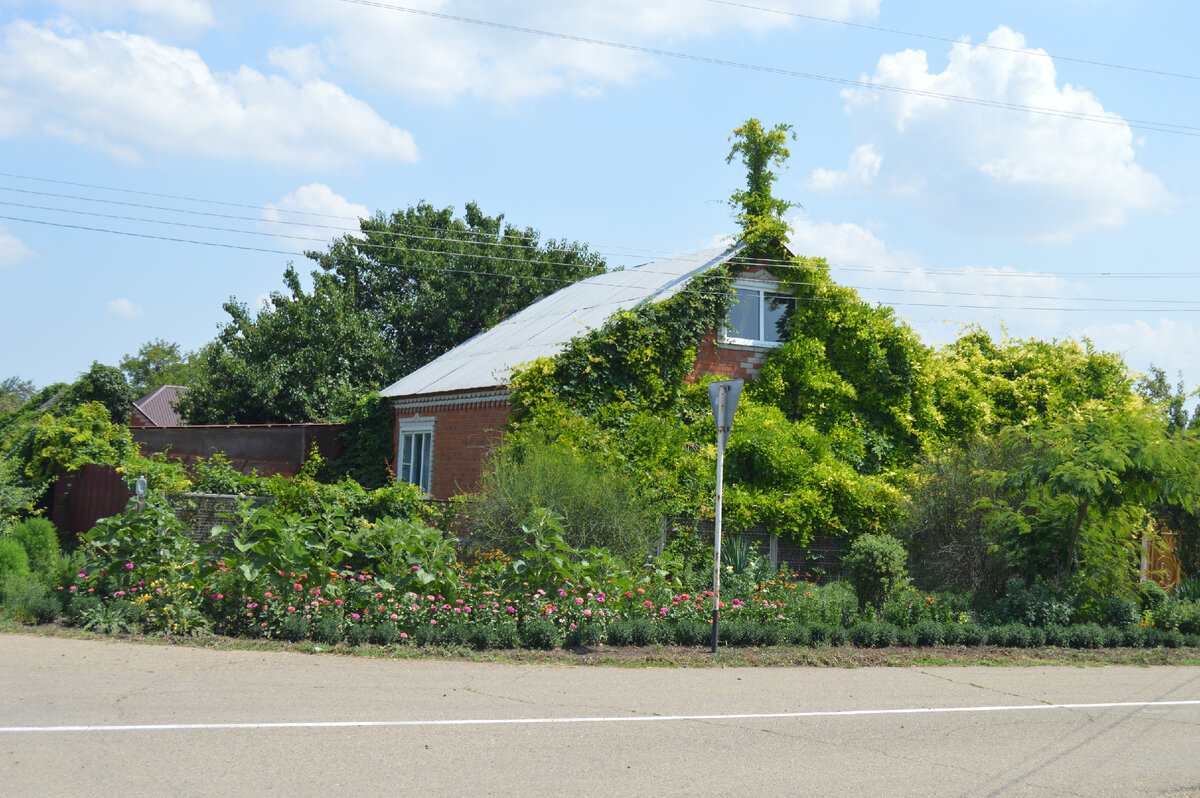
(876, 564)
(645, 632)
(1056, 635)
(737, 633)
(951, 633)
(1010, 635)
(588, 634)
(873, 634)
(539, 633)
(1114, 637)
(482, 637)
(929, 633)
(971, 634)
(1119, 611)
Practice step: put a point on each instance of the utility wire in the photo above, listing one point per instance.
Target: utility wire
(1105, 118)
(488, 240)
(1023, 51)
(484, 256)
(564, 281)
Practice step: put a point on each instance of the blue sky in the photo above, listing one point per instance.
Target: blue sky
(1068, 212)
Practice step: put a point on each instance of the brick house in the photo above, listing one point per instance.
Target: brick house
(451, 413)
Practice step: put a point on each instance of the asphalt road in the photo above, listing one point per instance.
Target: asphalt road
(104, 718)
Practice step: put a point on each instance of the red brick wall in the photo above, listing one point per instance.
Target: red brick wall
(732, 361)
(463, 436)
(138, 419)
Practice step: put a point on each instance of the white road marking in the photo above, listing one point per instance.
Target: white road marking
(341, 724)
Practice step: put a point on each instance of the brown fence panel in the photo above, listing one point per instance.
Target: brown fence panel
(83, 498)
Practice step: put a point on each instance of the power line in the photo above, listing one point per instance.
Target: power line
(563, 281)
(1106, 118)
(488, 240)
(931, 37)
(634, 251)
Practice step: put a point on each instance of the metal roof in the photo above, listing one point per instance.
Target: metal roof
(545, 327)
(159, 405)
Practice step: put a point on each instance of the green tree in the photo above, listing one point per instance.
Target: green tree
(1075, 503)
(14, 393)
(103, 384)
(760, 214)
(156, 363)
(384, 302)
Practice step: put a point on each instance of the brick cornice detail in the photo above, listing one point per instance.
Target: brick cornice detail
(447, 400)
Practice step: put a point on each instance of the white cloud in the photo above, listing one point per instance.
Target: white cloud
(124, 307)
(937, 302)
(313, 212)
(299, 63)
(1001, 173)
(126, 94)
(12, 250)
(1156, 342)
(439, 60)
(183, 16)
(860, 171)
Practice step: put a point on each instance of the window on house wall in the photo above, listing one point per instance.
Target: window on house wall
(416, 456)
(759, 315)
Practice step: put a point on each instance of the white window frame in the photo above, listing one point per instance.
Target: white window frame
(762, 289)
(416, 429)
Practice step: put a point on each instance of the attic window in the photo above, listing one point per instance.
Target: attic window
(759, 315)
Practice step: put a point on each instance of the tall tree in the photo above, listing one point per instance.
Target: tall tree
(15, 392)
(384, 302)
(157, 363)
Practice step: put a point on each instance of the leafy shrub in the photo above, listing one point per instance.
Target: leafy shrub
(1041, 605)
(1188, 589)
(28, 599)
(772, 634)
(906, 637)
(971, 634)
(1191, 641)
(1118, 611)
(738, 633)
(929, 633)
(588, 634)
(951, 633)
(13, 559)
(39, 538)
(873, 634)
(1056, 635)
(620, 633)
(294, 627)
(506, 636)
(1153, 595)
(385, 634)
(798, 634)
(481, 637)
(1087, 635)
(599, 505)
(1171, 638)
(539, 633)
(876, 564)
(358, 634)
(692, 633)
(328, 630)
(1114, 637)
(1010, 635)
(1187, 617)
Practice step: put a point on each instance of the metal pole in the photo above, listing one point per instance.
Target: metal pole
(716, 614)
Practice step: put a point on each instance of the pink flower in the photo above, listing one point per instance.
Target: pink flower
(578, 600)
(509, 610)
(291, 608)
(587, 613)
(641, 590)
(129, 565)
(433, 621)
(394, 616)
(72, 587)
(404, 635)
(338, 602)
(647, 603)
(355, 615)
